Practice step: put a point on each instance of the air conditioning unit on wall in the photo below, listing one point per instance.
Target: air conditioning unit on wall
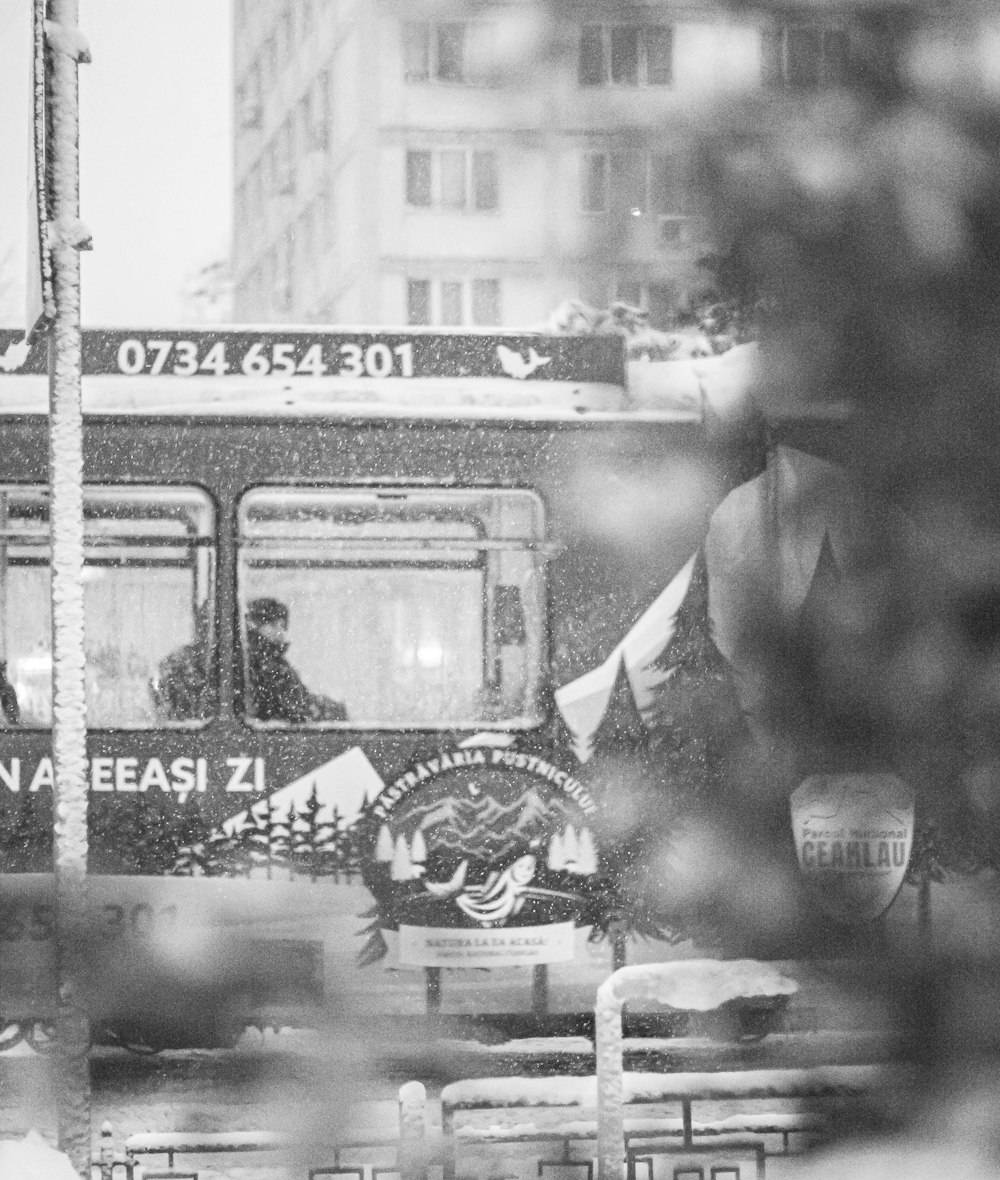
(670, 232)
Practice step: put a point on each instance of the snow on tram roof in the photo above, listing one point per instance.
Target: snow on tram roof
(387, 397)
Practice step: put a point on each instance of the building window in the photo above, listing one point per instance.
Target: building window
(485, 302)
(634, 183)
(416, 51)
(454, 179)
(594, 183)
(660, 301)
(453, 302)
(453, 51)
(418, 179)
(629, 183)
(450, 52)
(626, 55)
(669, 189)
(804, 57)
(658, 43)
(418, 302)
(485, 181)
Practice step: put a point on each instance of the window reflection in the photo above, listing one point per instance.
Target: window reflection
(147, 584)
(406, 608)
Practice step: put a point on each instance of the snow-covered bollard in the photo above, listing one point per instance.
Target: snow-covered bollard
(412, 1130)
(31, 1158)
(689, 985)
(106, 1151)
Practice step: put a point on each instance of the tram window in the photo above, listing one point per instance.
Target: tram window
(147, 592)
(407, 607)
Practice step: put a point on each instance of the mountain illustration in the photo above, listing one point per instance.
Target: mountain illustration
(483, 825)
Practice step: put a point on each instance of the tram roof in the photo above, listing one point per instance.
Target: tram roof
(384, 374)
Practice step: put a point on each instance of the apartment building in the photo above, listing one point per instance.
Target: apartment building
(459, 164)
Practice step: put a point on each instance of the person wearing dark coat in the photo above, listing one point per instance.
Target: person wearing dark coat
(277, 691)
(182, 687)
(10, 709)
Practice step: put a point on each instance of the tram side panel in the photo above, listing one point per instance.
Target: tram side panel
(181, 910)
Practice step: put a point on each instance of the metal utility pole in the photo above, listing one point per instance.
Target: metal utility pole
(69, 731)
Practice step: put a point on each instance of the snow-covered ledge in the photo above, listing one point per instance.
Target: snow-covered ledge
(689, 985)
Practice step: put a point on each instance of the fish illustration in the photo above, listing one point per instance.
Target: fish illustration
(501, 894)
(499, 897)
(449, 888)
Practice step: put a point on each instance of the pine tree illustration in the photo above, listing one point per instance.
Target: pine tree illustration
(328, 847)
(27, 835)
(126, 854)
(38, 830)
(12, 847)
(697, 725)
(251, 840)
(384, 845)
(190, 834)
(103, 821)
(652, 771)
(402, 865)
(621, 727)
(350, 849)
(834, 728)
(304, 835)
(278, 837)
(622, 778)
(158, 837)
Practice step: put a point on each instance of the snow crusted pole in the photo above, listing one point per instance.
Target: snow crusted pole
(693, 985)
(66, 49)
(610, 1079)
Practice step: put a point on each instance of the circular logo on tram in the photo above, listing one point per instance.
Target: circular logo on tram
(480, 839)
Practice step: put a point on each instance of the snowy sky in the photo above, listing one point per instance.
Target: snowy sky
(156, 154)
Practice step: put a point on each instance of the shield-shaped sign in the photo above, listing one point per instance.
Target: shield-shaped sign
(853, 837)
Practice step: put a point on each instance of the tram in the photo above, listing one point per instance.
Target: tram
(434, 533)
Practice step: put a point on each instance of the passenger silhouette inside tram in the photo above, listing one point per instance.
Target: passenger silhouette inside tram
(182, 687)
(277, 692)
(10, 710)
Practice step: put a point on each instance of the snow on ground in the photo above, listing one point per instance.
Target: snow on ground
(31, 1158)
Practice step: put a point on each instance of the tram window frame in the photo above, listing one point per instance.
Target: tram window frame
(514, 630)
(109, 509)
